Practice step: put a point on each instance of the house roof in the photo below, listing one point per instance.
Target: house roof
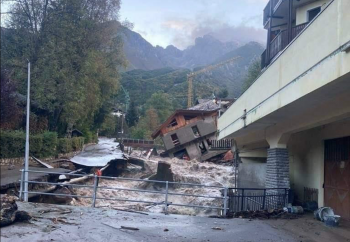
(211, 104)
(179, 111)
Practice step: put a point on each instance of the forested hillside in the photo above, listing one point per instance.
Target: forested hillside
(142, 83)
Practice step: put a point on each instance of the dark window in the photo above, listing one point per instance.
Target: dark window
(182, 154)
(173, 123)
(175, 139)
(202, 147)
(313, 13)
(188, 117)
(196, 131)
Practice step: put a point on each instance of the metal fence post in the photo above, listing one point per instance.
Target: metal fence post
(242, 205)
(21, 185)
(225, 201)
(264, 200)
(94, 192)
(166, 197)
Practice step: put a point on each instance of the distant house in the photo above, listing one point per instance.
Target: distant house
(191, 133)
(76, 133)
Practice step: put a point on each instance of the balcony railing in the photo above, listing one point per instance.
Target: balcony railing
(297, 29)
(223, 144)
(279, 43)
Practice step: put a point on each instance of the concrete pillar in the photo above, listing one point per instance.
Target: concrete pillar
(277, 168)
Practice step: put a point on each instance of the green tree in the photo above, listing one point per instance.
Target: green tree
(132, 115)
(74, 48)
(162, 104)
(222, 93)
(253, 72)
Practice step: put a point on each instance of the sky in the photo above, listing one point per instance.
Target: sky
(180, 22)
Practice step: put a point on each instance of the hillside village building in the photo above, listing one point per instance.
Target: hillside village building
(191, 133)
(292, 126)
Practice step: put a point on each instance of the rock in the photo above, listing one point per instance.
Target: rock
(9, 211)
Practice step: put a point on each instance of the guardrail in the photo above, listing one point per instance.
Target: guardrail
(95, 187)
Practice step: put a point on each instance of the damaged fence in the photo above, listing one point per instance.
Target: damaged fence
(95, 187)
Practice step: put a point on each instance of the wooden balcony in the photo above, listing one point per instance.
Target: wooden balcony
(267, 11)
(279, 43)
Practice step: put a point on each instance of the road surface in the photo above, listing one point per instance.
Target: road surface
(98, 155)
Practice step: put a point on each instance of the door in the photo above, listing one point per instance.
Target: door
(337, 176)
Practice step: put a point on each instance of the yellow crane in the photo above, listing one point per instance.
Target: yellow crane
(191, 76)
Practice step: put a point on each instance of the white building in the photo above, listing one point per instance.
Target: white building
(292, 126)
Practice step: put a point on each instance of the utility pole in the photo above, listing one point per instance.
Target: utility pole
(26, 161)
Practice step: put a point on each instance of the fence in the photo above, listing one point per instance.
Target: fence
(221, 144)
(233, 199)
(242, 199)
(95, 187)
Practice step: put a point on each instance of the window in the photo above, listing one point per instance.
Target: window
(175, 139)
(182, 154)
(311, 14)
(173, 123)
(196, 131)
(202, 147)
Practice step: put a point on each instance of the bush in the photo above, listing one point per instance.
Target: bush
(12, 144)
(64, 145)
(50, 143)
(77, 143)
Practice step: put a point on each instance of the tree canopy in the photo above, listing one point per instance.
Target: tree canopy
(75, 50)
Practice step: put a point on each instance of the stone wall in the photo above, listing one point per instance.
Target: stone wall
(277, 168)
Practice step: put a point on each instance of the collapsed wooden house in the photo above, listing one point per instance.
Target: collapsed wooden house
(191, 133)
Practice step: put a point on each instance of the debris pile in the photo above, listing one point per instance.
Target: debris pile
(10, 213)
(264, 214)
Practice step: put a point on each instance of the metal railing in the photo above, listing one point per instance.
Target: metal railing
(253, 199)
(95, 187)
(138, 141)
(221, 144)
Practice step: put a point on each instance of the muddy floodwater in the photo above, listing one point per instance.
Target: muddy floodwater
(184, 171)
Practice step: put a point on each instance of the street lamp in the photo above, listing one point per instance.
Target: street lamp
(121, 114)
(26, 159)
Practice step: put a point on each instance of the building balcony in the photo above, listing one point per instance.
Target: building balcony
(303, 83)
(279, 42)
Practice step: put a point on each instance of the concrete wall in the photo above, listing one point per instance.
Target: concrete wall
(306, 155)
(301, 12)
(185, 134)
(252, 173)
(301, 69)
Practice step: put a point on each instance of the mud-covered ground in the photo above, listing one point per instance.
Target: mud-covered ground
(184, 171)
(70, 223)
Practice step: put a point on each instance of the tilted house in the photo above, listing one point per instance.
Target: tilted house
(190, 133)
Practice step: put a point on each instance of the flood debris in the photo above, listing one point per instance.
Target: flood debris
(164, 172)
(263, 214)
(10, 212)
(122, 227)
(216, 228)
